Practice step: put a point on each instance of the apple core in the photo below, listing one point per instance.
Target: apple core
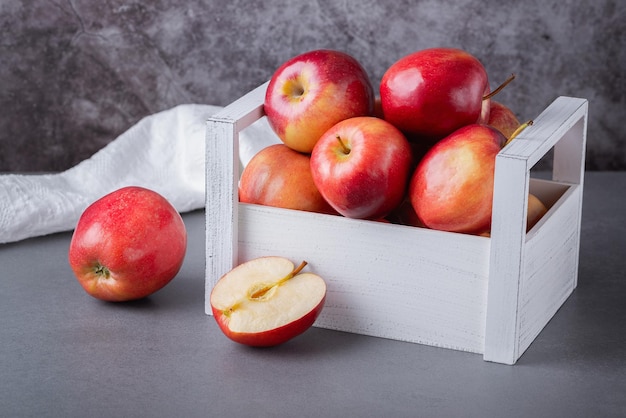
(264, 291)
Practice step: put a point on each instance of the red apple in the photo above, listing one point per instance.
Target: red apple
(503, 119)
(433, 92)
(361, 166)
(266, 302)
(127, 245)
(452, 186)
(281, 177)
(313, 91)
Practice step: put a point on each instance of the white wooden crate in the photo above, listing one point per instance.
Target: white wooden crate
(490, 296)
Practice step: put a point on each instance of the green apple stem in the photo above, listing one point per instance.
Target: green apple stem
(500, 87)
(518, 131)
(344, 147)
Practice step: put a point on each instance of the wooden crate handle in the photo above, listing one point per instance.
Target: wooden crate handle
(562, 126)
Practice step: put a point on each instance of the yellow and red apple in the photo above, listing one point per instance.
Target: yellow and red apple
(313, 91)
(127, 245)
(266, 301)
(281, 177)
(452, 186)
(361, 166)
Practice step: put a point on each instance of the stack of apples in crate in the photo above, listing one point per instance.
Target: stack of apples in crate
(422, 154)
(427, 144)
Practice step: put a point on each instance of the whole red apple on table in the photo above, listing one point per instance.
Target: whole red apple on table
(266, 301)
(361, 166)
(313, 91)
(127, 245)
(433, 92)
(452, 186)
(281, 177)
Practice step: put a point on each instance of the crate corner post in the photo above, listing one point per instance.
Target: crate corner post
(222, 175)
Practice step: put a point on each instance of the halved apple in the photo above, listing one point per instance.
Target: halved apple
(266, 301)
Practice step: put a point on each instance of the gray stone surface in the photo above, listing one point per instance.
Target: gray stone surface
(74, 74)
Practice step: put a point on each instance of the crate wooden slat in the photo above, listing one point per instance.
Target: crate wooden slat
(490, 296)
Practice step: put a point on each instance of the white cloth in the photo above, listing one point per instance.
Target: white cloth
(164, 152)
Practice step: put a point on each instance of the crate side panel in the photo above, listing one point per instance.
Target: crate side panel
(384, 280)
(551, 266)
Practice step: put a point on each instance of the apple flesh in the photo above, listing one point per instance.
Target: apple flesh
(433, 92)
(127, 245)
(281, 177)
(313, 91)
(361, 166)
(266, 301)
(452, 186)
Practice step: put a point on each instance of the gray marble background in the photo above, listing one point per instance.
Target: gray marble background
(74, 74)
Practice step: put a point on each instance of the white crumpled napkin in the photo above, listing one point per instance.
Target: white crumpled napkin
(164, 152)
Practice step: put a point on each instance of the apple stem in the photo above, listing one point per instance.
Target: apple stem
(518, 131)
(344, 147)
(295, 271)
(500, 87)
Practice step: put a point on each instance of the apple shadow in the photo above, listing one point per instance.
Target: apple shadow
(183, 293)
(314, 342)
(145, 303)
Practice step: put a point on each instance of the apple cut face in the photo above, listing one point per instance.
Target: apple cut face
(266, 301)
